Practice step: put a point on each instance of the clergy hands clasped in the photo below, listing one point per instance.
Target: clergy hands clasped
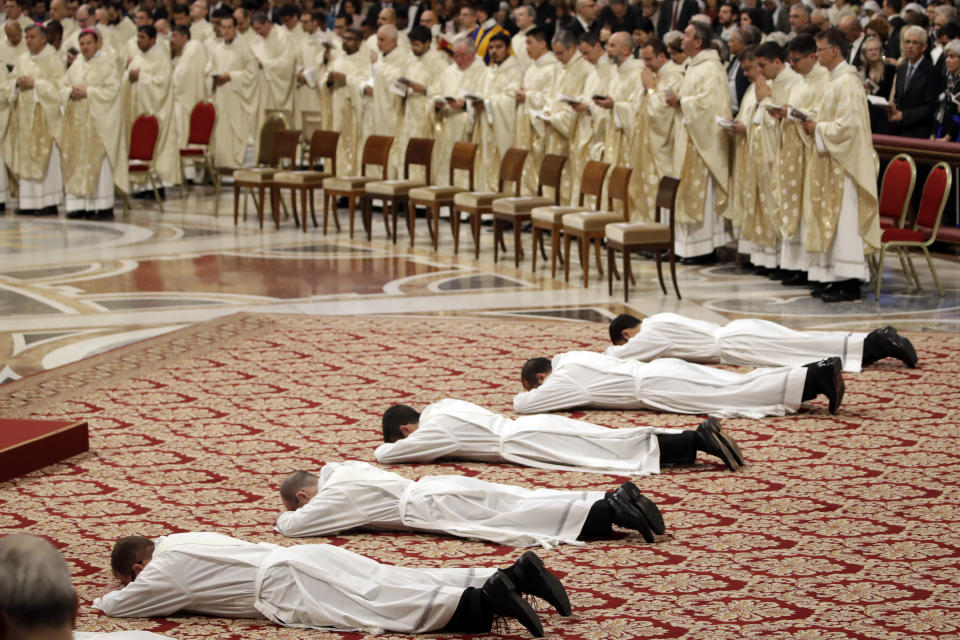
(649, 78)
(673, 100)
(78, 93)
(521, 95)
(221, 79)
(762, 89)
(25, 82)
(809, 126)
(603, 101)
(134, 75)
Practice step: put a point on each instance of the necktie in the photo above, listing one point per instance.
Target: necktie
(676, 13)
(910, 70)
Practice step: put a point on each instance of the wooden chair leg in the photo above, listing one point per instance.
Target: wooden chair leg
(535, 235)
(455, 229)
(554, 250)
(411, 220)
(517, 246)
(497, 233)
(352, 207)
(673, 272)
(660, 271)
(475, 227)
(626, 269)
(433, 224)
(260, 204)
(236, 204)
(313, 210)
(303, 202)
(584, 244)
(566, 257)
(610, 263)
(599, 242)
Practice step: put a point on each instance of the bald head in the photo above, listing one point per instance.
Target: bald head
(619, 47)
(850, 26)
(14, 32)
(428, 19)
(58, 10)
(387, 38)
(386, 16)
(36, 595)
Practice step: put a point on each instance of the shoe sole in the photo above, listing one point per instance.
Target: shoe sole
(560, 600)
(649, 509)
(903, 347)
(516, 607)
(725, 453)
(726, 439)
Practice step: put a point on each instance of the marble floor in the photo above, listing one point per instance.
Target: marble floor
(70, 289)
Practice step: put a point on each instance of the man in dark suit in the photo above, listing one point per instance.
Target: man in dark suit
(853, 32)
(675, 15)
(619, 15)
(742, 37)
(917, 87)
(585, 19)
(892, 9)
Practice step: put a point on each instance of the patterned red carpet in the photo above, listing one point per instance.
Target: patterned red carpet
(839, 527)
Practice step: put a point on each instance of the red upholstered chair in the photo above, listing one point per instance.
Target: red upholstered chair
(896, 190)
(203, 118)
(143, 146)
(924, 231)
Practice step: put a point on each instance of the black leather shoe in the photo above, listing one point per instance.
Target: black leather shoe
(79, 214)
(707, 258)
(827, 378)
(102, 214)
(628, 516)
(530, 576)
(796, 279)
(845, 291)
(887, 343)
(778, 274)
(716, 442)
(651, 513)
(506, 602)
(762, 271)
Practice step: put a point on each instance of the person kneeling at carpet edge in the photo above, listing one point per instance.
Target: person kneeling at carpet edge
(319, 586)
(458, 429)
(354, 494)
(37, 598)
(751, 342)
(588, 379)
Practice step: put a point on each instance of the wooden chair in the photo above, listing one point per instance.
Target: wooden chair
(143, 147)
(310, 123)
(649, 236)
(266, 157)
(376, 152)
(589, 227)
(517, 209)
(936, 190)
(323, 146)
(285, 115)
(395, 192)
(436, 197)
(551, 218)
(261, 178)
(203, 119)
(477, 203)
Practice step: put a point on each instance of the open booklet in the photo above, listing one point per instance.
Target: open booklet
(799, 115)
(562, 97)
(772, 107)
(468, 95)
(726, 123)
(878, 101)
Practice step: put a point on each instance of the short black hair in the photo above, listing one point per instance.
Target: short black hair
(538, 34)
(420, 33)
(644, 24)
(896, 5)
(835, 38)
(702, 33)
(181, 9)
(770, 50)
(619, 324)
(125, 551)
(802, 44)
(182, 28)
(949, 30)
(532, 368)
(289, 10)
(500, 37)
(394, 418)
(590, 37)
(148, 29)
(733, 6)
(659, 49)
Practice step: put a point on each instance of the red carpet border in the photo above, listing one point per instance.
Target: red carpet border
(840, 527)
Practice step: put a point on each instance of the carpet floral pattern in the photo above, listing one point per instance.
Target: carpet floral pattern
(839, 527)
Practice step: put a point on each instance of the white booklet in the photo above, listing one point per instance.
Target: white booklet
(878, 100)
(725, 123)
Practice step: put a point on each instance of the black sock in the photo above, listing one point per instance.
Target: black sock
(678, 448)
(473, 615)
(871, 352)
(599, 522)
(810, 389)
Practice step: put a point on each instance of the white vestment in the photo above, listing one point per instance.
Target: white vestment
(458, 429)
(190, 86)
(314, 586)
(751, 342)
(356, 494)
(585, 378)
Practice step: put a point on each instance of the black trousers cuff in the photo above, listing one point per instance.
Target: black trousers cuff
(599, 522)
(473, 614)
(678, 448)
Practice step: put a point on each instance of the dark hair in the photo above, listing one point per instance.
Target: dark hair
(259, 17)
(949, 30)
(702, 33)
(659, 49)
(643, 23)
(802, 44)
(748, 53)
(835, 38)
(182, 28)
(532, 367)
(489, 7)
(148, 29)
(394, 418)
(289, 10)
(125, 551)
(624, 320)
(896, 5)
(356, 33)
(770, 50)
(734, 8)
(538, 34)
(756, 18)
(181, 9)
(419, 33)
(501, 37)
(221, 12)
(89, 32)
(54, 28)
(232, 18)
(295, 482)
(590, 37)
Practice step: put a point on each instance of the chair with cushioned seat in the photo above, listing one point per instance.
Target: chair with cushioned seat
(203, 119)
(477, 203)
(435, 197)
(648, 236)
(323, 146)
(261, 178)
(550, 218)
(376, 152)
(936, 190)
(896, 190)
(589, 226)
(395, 192)
(517, 209)
(143, 147)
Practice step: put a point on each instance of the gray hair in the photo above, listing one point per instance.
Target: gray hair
(388, 31)
(914, 30)
(529, 8)
(952, 47)
(565, 39)
(468, 42)
(35, 587)
(801, 7)
(750, 35)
